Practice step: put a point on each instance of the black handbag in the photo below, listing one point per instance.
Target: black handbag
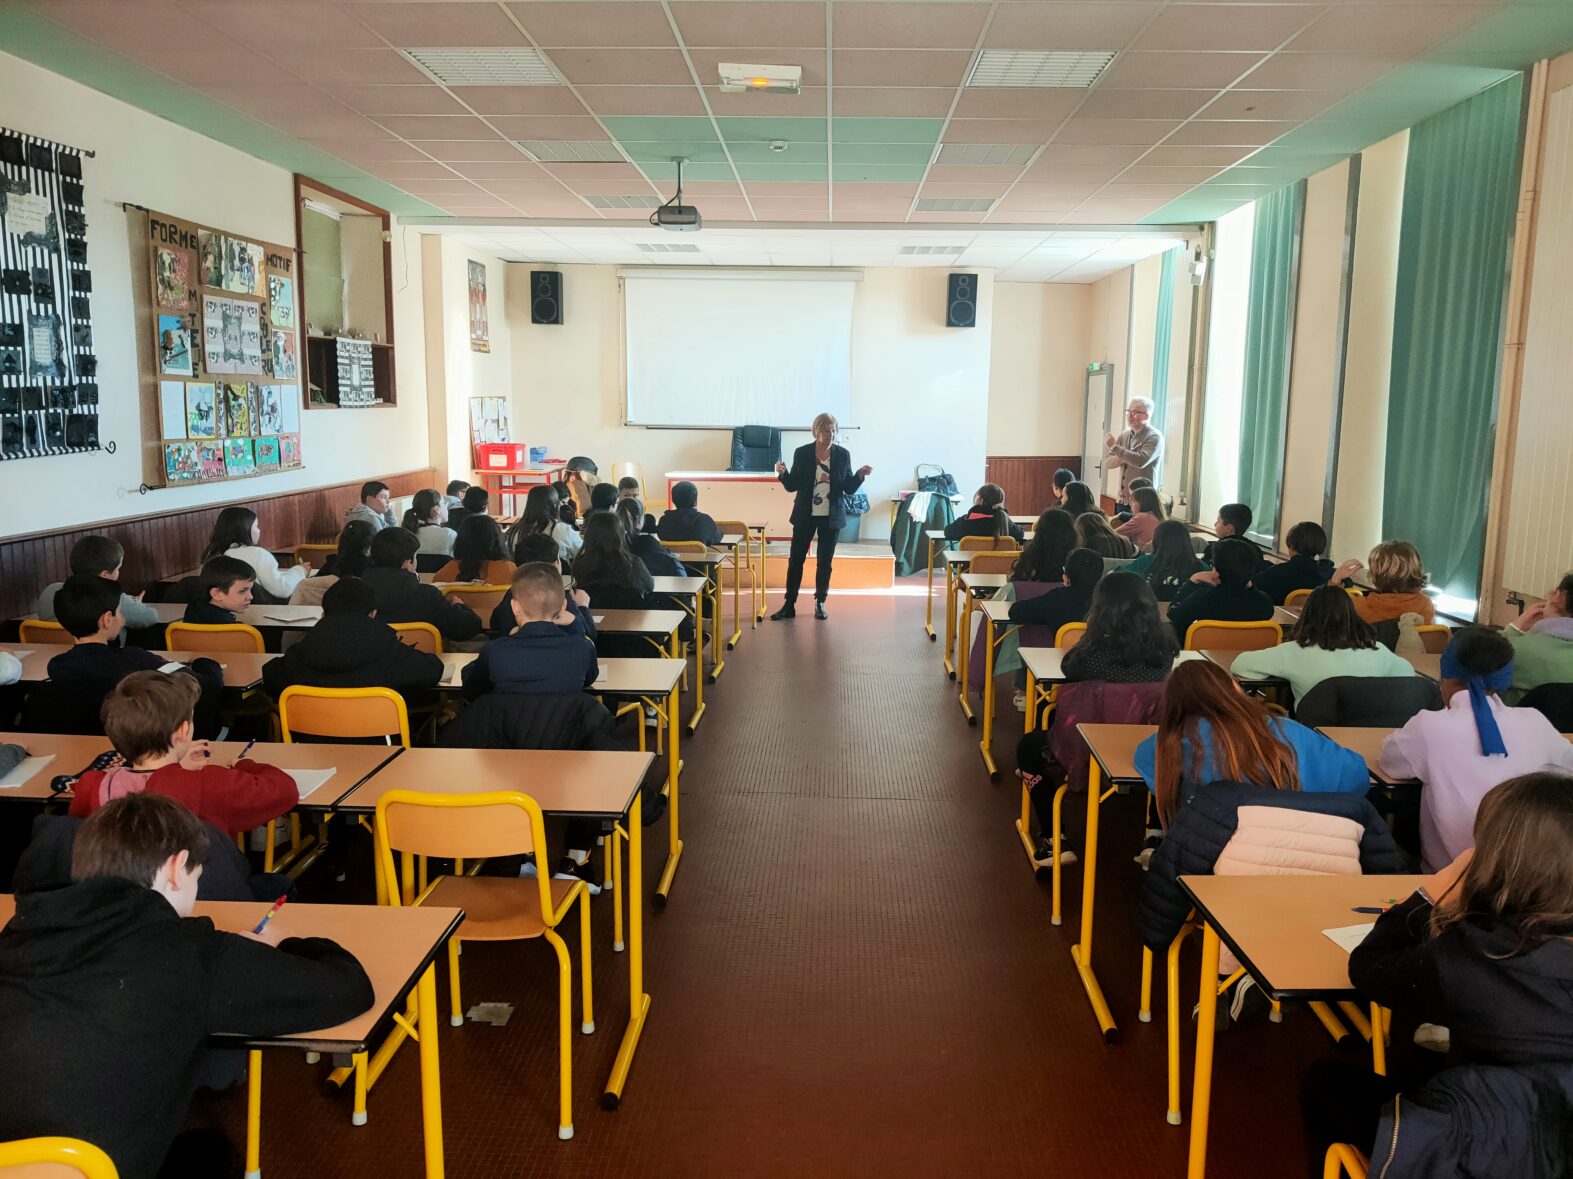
(856, 503)
(943, 483)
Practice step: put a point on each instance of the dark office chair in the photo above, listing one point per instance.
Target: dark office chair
(1555, 701)
(755, 448)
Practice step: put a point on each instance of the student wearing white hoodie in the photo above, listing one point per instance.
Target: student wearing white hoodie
(236, 534)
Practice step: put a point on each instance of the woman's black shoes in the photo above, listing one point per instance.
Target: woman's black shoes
(819, 611)
(786, 612)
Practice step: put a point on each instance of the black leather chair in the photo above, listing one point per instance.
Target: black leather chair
(755, 448)
(1367, 702)
(1555, 701)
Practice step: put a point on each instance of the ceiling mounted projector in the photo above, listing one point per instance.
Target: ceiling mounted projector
(675, 215)
(766, 79)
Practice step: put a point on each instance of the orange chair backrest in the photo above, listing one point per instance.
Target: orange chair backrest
(1435, 636)
(54, 1158)
(992, 562)
(343, 713)
(482, 599)
(1069, 634)
(423, 636)
(226, 636)
(987, 544)
(36, 630)
(314, 555)
(1213, 635)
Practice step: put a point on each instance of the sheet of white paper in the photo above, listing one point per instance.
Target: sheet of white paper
(27, 213)
(597, 619)
(22, 653)
(451, 674)
(21, 774)
(1347, 937)
(308, 780)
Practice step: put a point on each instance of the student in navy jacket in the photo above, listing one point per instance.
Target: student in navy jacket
(402, 598)
(683, 520)
(1224, 594)
(821, 477)
(541, 656)
(1306, 568)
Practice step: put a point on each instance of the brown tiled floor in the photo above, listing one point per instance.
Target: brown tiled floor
(856, 974)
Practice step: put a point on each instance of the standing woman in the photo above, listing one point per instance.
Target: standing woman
(821, 475)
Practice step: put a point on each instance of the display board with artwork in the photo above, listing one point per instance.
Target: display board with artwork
(48, 366)
(223, 326)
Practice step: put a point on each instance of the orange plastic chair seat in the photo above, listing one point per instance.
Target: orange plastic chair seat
(496, 908)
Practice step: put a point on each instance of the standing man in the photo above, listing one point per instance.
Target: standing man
(1137, 452)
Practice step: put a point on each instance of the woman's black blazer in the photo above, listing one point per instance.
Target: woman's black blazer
(799, 478)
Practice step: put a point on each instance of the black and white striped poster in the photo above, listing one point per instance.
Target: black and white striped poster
(48, 366)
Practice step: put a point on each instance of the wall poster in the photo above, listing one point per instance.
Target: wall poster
(48, 368)
(227, 380)
(480, 330)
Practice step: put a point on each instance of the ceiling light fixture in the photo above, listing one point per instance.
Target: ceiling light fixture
(764, 79)
(514, 66)
(1035, 68)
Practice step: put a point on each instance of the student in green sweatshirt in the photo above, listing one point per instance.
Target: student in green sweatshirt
(1542, 641)
(1330, 640)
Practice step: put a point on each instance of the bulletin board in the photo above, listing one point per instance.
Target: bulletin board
(48, 368)
(224, 320)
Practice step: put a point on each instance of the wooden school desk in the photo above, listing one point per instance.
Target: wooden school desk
(242, 669)
(756, 532)
(1113, 750)
(71, 754)
(955, 562)
(1273, 925)
(934, 538)
(583, 784)
(975, 588)
(709, 565)
(659, 628)
(996, 625)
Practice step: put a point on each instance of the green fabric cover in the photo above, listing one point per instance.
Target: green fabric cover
(909, 544)
(1163, 331)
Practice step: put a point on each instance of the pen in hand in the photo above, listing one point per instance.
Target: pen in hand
(268, 916)
(244, 751)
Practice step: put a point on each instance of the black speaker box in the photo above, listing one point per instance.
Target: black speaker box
(546, 296)
(961, 305)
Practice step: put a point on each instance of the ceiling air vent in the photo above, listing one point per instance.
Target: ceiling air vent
(572, 151)
(931, 249)
(1026, 67)
(485, 67)
(618, 201)
(986, 155)
(954, 204)
(666, 248)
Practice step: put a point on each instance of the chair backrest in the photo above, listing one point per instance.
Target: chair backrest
(36, 630)
(466, 826)
(685, 546)
(619, 471)
(743, 553)
(993, 562)
(1343, 1159)
(1368, 702)
(1211, 634)
(1434, 636)
(1070, 634)
(55, 1158)
(988, 544)
(343, 713)
(482, 599)
(1295, 599)
(423, 636)
(1555, 701)
(1115, 564)
(225, 636)
(755, 448)
(314, 555)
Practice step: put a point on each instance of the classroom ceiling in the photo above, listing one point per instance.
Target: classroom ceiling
(1204, 105)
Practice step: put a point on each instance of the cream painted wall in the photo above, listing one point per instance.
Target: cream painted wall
(1039, 351)
(1362, 463)
(454, 370)
(909, 374)
(218, 186)
(1312, 372)
(1109, 343)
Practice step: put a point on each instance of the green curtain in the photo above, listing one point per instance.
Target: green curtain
(1460, 192)
(1264, 399)
(1162, 332)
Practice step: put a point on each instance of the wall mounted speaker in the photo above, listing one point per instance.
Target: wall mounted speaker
(546, 296)
(961, 307)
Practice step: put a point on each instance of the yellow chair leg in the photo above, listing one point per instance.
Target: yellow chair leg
(587, 1019)
(1356, 1018)
(614, 849)
(1378, 1040)
(456, 1004)
(268, 846)
(1172, 978)
(1144, 1012)
(1202, 1084)
(358, 1065)
(1055, 869)
(1331, 1022)
(564, 1038)
(254, 1115)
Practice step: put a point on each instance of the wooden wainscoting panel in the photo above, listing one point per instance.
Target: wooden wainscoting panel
(1028, 480)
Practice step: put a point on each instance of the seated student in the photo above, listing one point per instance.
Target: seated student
(1093, 532)
(655, 556)
(1481, 950)
(567, 507)
(1397, 577)
(684, 521)
(603, 497)
(98, 556)
(1472, 744)
(628, 488)
(579, 475)
(479, 554)
(237, 534)
(374, 506)
(453, 497)
(1224, 594)
(109, 990)
(1070, 603)
(1078, 499)
(474, 501)
(988, 517)
(1211, 731)
(400, 596)
(1126, 640)
(1043, 557)
(225, 589)
(1171, 562)
(537, 548)
(1145, 520)
(90, 612)
(1306, 568)
(1542, 638)
(1234, 521)
(605, 569)
(353, 555)
(350, 647)
(148, 719)
(427, 518)
(1063, 478)
(1330, 639)
(542, 513)
(540, 655)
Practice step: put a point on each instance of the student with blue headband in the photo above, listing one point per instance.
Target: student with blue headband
(1471, 745)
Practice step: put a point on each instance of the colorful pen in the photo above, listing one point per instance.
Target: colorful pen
(246, 750)
(268, 916)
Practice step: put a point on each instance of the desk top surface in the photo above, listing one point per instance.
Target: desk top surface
(640, 677)
(641, 622)
(242, 669)
(1274, 924)
(588, 783)
(1114, 747)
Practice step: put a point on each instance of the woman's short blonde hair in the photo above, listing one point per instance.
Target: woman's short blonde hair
(1395, 568)
(823, 420)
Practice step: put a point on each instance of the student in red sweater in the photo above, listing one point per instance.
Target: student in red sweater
(147, 718)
